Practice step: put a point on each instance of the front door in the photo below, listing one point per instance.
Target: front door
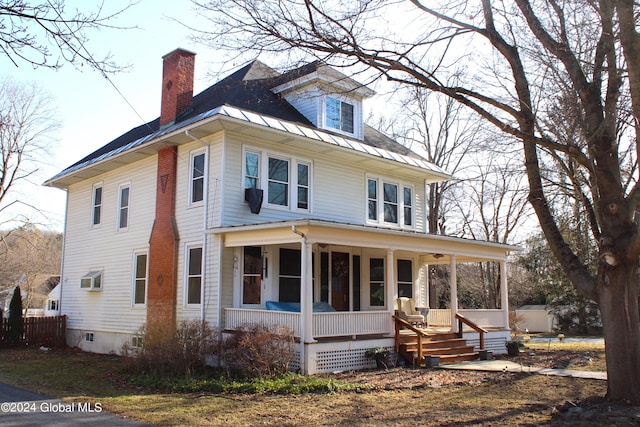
(340, 281)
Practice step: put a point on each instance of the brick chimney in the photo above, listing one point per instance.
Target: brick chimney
(177, 84)
(177, 92)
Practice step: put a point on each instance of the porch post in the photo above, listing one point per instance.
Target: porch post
(453, 294)
(306, 292)
(504, 293)
(392, 289)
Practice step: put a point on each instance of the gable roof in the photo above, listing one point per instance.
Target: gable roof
(248, 89)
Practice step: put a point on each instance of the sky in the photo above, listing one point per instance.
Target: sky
(90, 110)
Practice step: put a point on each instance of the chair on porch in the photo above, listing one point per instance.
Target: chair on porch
(406, 310)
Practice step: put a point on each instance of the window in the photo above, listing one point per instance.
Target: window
(288, 180)
(197, 178)
(92, 280)
(405, 278)
(251, 170)
(290, 275)
(137, 341)
(372, 198)
(303, 186)
(88, 336)
(339, 115)
(408, 206)
(96, 212)
(252, 275)
(376, 282)
(194, 275)
(140, 279)
(278, 182)
(123, 207)
(53, 305)
(389, 203)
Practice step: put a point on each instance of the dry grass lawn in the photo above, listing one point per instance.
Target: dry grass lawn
(437, 397)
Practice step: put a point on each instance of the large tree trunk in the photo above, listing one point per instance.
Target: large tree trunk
(618, 301)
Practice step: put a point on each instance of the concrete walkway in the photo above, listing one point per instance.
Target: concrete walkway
(507, 366)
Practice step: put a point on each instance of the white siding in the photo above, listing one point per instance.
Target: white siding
(338, 187)
(103, 247)
(307, 102)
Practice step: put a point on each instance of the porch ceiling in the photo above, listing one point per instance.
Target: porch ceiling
(434, 249)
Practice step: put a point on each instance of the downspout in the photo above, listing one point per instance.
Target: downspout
(204, 221)
(64, 244)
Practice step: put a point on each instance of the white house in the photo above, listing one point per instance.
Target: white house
(264, 189)
(52, 304)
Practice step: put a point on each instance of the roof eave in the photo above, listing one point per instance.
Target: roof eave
(177, 135)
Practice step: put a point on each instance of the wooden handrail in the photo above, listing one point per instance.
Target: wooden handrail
(480, 330)
(399, 324)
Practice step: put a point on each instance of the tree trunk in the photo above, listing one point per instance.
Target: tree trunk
(618, 295)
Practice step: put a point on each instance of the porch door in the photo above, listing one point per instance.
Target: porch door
(340, 281)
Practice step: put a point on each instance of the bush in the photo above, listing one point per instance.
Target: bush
(15, 322)
(256, 351)
(183, 353)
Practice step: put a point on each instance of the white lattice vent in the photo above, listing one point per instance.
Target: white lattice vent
(494, 344)
(294, 366)
(342, 360)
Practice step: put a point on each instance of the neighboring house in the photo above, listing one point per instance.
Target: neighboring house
(264, 189)
(535, 318)
(52, 304)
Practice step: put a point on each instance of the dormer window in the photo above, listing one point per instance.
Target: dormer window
(339, 115)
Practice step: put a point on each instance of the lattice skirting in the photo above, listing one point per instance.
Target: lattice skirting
(495, 344)
(344, 360)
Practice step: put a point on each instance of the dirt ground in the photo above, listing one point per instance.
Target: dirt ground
(596, 410)
(397, 378)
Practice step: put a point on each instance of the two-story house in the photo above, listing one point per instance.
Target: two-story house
(264, 189)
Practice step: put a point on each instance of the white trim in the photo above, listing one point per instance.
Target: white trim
(187, 259)
(95, 186)
(380, 202)
(121, 187)
(192, 155)
(134, 279)
(292, 175)
(357, 114)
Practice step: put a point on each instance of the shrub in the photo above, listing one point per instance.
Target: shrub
(15, 322)
(257, 351)
(182, 353)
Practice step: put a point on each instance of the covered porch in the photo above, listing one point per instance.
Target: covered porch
(335, 285)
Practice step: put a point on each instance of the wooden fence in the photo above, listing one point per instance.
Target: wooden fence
(39, 331)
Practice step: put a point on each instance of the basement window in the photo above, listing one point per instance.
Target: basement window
(136, 341)
(88, 336)
(92, 280)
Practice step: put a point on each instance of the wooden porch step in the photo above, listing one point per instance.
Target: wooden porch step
(457, 358)
(462, 349)
(457, 342)
(449, 347)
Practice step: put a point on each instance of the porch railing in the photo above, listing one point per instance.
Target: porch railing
(238, 317)
(334, 324)
(344, 323)
(490, 318)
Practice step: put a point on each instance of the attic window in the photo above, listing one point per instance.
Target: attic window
(92, 280)
(339, 115)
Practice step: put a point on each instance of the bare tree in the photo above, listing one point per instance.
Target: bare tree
(30, 29)
(26, 123)
(29, 257)
(492, 206)
(517, 53)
